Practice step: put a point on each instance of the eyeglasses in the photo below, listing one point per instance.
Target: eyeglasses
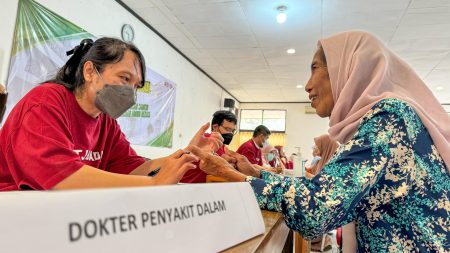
(230, 130)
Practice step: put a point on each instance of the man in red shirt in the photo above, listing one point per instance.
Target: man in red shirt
(252, 148)
(223, 122)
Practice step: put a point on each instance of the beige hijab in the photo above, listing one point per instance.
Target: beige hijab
(362, 72)
(327, 147)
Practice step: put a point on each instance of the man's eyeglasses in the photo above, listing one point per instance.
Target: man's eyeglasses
(230, 130)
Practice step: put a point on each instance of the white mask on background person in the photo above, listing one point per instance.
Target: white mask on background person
(265, 143)
(315, 160)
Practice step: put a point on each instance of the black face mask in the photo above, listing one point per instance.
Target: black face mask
(227, 138)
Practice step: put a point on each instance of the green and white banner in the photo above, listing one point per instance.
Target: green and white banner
(41, 40)
(150, 121)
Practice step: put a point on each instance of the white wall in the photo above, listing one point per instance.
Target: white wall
(197, 96)
(301, 128)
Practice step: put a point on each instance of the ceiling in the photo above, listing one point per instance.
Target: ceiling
(241, 46)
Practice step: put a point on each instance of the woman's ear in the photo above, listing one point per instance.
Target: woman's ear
(88, 71)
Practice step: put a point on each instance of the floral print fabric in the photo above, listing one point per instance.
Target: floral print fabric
(389, 178)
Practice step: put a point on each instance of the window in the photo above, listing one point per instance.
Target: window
(275, 120)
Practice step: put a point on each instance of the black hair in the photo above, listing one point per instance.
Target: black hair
(101, 52)
(261, 129)
(220, 116)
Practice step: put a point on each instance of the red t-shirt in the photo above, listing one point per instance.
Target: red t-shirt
(251, 151)
(47, 137)
(197, 175)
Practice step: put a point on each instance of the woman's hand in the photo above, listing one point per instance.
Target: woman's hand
(216, 165)
(242, 163)
(208, 144)
(174, 167)
(229, 159)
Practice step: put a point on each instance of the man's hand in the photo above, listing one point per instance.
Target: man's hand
(208, 144)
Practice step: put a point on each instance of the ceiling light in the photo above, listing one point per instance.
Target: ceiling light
(299, 86)
(281, 17)
(291, 51)
(439, 88)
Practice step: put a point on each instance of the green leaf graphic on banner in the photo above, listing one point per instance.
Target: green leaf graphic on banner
(164, 140)
(41, 40)
(37, 24)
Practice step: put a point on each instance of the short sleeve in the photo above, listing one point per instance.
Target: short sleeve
(123, 158)
(39, 151)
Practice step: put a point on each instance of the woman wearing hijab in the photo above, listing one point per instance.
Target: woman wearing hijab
(324, 148)
(268, 154)
(283, 158)
(391, 174)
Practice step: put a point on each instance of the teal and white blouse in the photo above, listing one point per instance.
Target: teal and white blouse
(389, 178)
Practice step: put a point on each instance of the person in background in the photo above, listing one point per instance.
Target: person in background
(391, 175)
(252, 148)
(68, 126)
(323, 150)
(271, 159)
(223, 123)
(282, 155)
(3, 97)
(268, 154)
(292, 159)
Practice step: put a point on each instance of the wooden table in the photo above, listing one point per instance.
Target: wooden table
(275, 238)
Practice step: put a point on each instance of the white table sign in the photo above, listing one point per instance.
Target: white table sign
(177, 218)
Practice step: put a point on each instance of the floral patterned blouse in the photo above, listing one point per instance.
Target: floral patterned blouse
(389, 178)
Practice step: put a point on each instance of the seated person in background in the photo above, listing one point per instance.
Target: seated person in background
(252, 148)
(282, 155)
(223, 123)
(323, 150)
(3, 96)
(292, 158)
(271, 159)
(268, 155)
(69, 129)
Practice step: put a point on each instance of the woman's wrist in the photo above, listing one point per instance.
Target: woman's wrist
(232, 175)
